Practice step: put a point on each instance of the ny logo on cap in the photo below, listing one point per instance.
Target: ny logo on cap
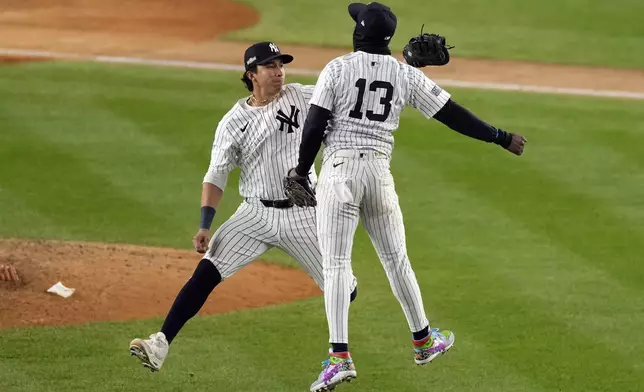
(274, 47)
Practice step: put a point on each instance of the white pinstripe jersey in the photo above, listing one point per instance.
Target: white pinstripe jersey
(366, 94)
(263, 141)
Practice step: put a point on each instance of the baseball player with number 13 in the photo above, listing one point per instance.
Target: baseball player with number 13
(355, 109)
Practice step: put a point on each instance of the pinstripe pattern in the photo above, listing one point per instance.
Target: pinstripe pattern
(383, 220)
(264, 153)
(254, 228)
(337, 223)
(373, 199)
(336, 91)
(366, 94)
(241, 239)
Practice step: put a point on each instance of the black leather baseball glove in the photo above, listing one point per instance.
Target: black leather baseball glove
(426, 49)
(298, 190)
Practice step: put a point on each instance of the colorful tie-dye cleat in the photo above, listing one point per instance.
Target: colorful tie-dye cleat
(437, 343)
(337, 369)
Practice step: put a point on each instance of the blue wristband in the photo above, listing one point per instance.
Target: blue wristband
(207, 215)
(503, 138)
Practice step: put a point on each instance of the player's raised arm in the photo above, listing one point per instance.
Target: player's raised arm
(435, 102)
(223, 159)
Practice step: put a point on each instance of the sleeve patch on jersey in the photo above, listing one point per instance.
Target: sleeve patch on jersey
(437, 90)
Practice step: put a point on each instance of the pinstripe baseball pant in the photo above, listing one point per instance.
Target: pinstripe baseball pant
(255, 228)
(356, 184)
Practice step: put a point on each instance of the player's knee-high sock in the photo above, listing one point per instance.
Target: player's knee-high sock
(191, 298)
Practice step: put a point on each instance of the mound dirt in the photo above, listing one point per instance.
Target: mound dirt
(124, 282)
(8, 60)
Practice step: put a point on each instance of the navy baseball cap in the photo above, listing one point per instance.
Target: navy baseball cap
(374, 21)
(263, 53)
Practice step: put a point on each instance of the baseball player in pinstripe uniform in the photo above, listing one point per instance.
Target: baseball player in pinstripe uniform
(261, 134)
(355, 109)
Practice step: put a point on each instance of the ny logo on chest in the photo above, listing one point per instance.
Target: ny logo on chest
(291, 120)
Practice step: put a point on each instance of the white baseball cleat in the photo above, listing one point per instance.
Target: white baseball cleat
(151, 352)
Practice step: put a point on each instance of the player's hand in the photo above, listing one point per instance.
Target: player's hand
(517, 144)
(298, 189)
(201, 240)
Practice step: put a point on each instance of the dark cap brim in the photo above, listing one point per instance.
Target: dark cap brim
(355, 9)
(286, 58)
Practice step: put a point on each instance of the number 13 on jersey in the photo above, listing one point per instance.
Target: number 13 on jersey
(385, 102)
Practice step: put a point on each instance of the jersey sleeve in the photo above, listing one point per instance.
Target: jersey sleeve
(425, 94)
(224, 156)
(324, 92)
(307, 92)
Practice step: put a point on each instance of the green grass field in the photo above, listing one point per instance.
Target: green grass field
(565, 31)
(532, 261)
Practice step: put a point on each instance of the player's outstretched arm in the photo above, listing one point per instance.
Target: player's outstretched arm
(465, 122)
